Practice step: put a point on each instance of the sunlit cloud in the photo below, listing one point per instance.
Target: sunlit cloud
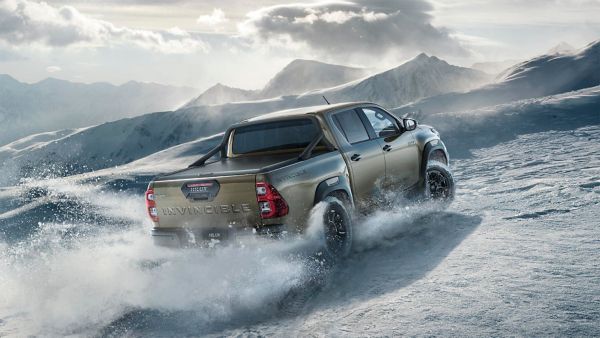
(53, 69)
(24, 22)
(215, 20)
(360, 27)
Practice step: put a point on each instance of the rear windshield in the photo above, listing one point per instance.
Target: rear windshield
(270, 136)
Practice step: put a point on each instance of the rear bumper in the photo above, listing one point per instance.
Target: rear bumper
(165, 238)
(184, 238)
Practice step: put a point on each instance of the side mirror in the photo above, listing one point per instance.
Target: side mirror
(409, 124)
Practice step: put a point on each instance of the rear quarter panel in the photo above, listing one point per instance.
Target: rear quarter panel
(298, 183)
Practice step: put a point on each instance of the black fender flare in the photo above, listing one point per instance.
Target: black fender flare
(429, 148)
(329, 186)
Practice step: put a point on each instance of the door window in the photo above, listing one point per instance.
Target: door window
(351, 126)
(383, 124)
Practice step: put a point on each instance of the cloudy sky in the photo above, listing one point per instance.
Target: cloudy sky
(243, 43)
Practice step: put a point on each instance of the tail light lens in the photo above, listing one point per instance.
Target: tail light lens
(270, 203)
(151, 205)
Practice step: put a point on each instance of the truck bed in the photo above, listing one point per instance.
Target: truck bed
(245, 165)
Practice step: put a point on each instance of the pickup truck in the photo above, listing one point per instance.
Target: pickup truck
(268, 173)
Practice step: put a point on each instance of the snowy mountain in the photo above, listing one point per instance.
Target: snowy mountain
(297, 77)
(304, 75)
(54, 104)
(418, 78)
(221, 94)
(541, 76)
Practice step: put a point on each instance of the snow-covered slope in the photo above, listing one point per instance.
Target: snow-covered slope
(221, 94)
(538, 77)
(418, 78)
(303, 75)
(54, 104)
(484, 127)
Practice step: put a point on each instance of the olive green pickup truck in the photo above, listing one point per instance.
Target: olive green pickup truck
(269, 172)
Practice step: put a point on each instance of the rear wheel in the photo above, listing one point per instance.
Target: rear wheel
(338, 227)
(439, 182)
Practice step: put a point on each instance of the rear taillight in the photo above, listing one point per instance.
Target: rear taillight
(270, 203)
(151, 205)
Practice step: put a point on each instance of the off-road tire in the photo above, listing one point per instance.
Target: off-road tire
(439, 182)
(337, 221)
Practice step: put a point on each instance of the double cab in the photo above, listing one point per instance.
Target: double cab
(269, 172)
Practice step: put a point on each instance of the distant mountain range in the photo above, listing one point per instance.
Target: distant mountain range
(221, 94)
(298, 77)
(544, 75)
(418, 78)
(301, 76)
(56, 104)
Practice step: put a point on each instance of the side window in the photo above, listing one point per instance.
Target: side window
(351, 125)
(383, 124)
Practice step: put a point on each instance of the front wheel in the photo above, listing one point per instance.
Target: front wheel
(439, 182)
(338, 227)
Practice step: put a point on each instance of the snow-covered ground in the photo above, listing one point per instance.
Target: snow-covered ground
(516, 254)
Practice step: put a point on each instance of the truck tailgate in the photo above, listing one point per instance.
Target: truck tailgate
(227, 201)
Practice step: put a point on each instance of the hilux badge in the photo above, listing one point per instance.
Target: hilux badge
(201, 191)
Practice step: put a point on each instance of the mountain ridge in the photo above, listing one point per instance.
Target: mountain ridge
(420, 77)
(53, 103)
(297, 77)
(544, 75)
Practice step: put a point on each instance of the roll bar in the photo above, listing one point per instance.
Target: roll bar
(305, 155)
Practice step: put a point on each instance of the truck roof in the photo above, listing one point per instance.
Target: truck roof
(312, 110)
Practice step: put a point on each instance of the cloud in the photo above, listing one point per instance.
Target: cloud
(53, 69)
(24, 22)
(215, 19)
(8, 55)
(369, 27)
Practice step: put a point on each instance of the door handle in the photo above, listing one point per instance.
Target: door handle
(355, 157)
(387, 147)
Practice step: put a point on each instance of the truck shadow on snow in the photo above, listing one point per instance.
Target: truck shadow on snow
(396, 259)
(380, 264)
(392, 254)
